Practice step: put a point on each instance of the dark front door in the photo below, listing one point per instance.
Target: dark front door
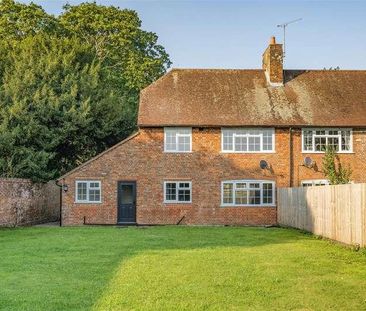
(126, 202)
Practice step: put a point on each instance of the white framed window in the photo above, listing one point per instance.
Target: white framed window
(88, 191)
(177, 139)
(314, 182)
(317, 182)
(243, 140)
(317, 139)
(247, 193)
(177, 192)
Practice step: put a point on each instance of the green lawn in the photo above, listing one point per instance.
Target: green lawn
(177, 268)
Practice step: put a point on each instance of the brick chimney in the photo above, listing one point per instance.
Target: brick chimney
(273, 63)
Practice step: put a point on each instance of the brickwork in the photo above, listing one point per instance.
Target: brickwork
(142, 159)
(273, 62)
(25, 203)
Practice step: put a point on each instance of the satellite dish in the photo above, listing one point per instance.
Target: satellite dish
(263, 164)
(308, 162)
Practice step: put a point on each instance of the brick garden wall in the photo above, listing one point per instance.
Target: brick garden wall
(25, 203)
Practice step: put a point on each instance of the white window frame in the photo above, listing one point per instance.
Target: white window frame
(313, 182)
(326, 135)
(273, 150)
(176, 201)
(88, 182)
(261, 182)
(182, 135)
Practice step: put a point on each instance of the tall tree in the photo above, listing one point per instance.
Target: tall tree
(69, 85)
(18, 20)
(119, 41)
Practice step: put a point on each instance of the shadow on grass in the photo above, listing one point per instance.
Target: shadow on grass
(75, 267)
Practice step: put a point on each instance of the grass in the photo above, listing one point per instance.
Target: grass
(180, 268)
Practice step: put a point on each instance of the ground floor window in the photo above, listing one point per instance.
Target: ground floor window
(177, 192)
(247, 193)
(314, 182)
(88, 191)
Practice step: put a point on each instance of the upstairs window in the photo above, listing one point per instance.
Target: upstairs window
(317, 140)
(314, 182)
(248, 140)
(88, 191)
(177, 139)
(247, 193)
(177, 192)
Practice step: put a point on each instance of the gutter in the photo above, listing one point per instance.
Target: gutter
(60, 186)
(291, 157)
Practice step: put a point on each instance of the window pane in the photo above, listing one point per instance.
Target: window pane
(170, 191)
(248, 140)
(184, 185)
(228, 137)
(177, 140)
(307, 184)
(94, 195)
(320, 143)
(254, 197)
(241, 185)
(333, 143)
(228, 193)
(81, 191)
(308, 140)
(184, 143)
(184, 195)
(267, 140)
(267, 193)
(346, 140)
(254, 144)
(241, 143)
(241, 196)
(248, 192)
(170, 140)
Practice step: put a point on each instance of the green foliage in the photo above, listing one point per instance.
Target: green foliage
(69, 85)
(333, 169)
(118, 41)
(18, 20)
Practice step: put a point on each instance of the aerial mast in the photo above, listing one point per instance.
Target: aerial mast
(284, 25)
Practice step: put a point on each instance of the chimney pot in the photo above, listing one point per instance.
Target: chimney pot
(272, 40)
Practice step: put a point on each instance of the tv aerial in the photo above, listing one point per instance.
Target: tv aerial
(284, 25)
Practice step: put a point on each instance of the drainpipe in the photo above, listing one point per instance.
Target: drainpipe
(60, 186)
(291, 158)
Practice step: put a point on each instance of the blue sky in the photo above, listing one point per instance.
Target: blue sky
(233, 34)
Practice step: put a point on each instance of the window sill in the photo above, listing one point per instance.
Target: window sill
(235, 206)
(176, 202)
(248, 152)
(87, 202)
(178, 151)
(323, 152)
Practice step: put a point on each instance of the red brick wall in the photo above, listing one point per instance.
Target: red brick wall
(25, 203)
(142, 159)
(273, 63)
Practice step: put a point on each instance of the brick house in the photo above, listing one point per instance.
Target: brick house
(213, 145)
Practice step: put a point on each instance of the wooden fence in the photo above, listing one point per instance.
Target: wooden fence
(336, 212)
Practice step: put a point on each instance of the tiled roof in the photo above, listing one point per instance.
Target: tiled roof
(215, 97)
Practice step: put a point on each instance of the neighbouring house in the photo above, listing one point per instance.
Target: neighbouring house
(214, 144)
